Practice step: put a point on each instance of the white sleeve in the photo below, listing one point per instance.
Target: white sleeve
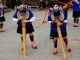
(32, 19)
(14, 19)
(50, 22)
(65, 21)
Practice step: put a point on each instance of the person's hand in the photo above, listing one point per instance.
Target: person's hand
(56, 21)
(4, 6)
(20, 17)
(44, 21)
(65, 7)
(58, 24)
(25, 21)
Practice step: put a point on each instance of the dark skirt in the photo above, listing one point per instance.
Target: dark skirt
(28, 29)
(2, 19)
(76, 14)
(55, 34)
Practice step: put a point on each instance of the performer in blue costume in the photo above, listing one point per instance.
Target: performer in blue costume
(57, 18)
(76, 11)
(23, 13)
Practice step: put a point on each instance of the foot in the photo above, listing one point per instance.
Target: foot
(1, 30)
(68, 48)
(76, 25)
(34, 46)
(55, 52)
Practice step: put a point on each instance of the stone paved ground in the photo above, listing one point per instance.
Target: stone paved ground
(10, 46)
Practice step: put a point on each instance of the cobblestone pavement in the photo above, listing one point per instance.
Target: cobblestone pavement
(10, 45)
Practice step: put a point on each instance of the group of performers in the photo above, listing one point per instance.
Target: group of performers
(57, 18)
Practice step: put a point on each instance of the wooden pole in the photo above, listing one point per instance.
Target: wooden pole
(39, 25)
(24, 39)
(44, 18)
(61, 43)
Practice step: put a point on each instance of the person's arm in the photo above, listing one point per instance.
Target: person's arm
(32, 19)
(31, 15)
(15, 18)
(76, 1)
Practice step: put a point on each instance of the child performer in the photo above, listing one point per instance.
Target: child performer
(66, 6)
(54, 21)
(76, 11)
(2, 18)
(29, 18)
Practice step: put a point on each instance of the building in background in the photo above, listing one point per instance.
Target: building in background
(28, 2)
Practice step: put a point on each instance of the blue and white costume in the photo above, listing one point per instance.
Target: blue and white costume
(54, 26)
(76, 8)
(29, 17)
(76, 11)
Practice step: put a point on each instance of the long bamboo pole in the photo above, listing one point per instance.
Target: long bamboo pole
(61, 43)
(24, 39)
(24, 35)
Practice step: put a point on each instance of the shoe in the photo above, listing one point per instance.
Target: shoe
(2, 30)
(69, 49)
(34, 46)
(55, 52)
(74, 25)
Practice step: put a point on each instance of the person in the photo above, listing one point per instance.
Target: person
(42, 5)
(18, 3)
(2, 17)
(76, 12)
(51, 5)
(57, 18)
(65, 10)
(66, 6)
(18, 16)
(13, 3)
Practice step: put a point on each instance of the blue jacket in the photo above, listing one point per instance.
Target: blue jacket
(54, 26)
(19, 22)
(76, 7)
